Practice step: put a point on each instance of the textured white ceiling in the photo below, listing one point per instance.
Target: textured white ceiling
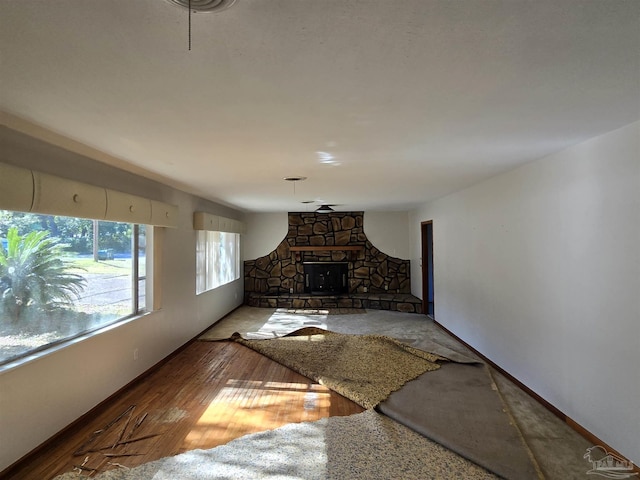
(412, 99)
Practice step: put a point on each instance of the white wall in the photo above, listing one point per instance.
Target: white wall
(265, 231)
(539, 269)
(387, 231)
(40, 397)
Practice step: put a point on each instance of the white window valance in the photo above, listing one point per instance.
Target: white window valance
(26, 190)
(216, 223)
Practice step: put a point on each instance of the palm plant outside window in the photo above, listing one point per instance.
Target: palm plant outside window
(62, 277)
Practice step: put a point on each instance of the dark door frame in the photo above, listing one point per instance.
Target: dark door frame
(426, 235)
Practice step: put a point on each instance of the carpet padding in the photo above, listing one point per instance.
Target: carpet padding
(459, 407)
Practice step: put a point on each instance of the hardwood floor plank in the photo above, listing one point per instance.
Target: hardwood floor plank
(205, 396)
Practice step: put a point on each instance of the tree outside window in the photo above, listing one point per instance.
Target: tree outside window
(53, 288)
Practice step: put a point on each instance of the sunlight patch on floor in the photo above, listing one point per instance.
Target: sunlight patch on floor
(258, 406)
(283, 321)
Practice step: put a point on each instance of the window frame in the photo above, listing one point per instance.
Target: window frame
(136, 309)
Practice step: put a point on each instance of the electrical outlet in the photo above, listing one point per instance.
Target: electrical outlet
(135, 354)
(386, 287)
(365, 289)
(291, 290)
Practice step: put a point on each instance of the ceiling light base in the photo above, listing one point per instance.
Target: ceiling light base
(203, 6)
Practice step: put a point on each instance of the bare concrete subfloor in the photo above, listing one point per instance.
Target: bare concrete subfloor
(557, 448)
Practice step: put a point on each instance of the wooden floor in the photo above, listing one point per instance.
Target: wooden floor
(205, 396)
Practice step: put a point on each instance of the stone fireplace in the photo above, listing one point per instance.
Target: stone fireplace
(326, 261)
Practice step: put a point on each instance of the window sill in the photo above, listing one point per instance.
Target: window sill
(48, 350)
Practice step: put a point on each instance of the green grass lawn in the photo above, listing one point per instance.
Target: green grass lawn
(88, 265)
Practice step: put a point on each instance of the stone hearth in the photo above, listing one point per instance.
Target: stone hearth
(375, 279)
(399, 302)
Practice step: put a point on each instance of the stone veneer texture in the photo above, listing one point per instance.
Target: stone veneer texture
(370, 270)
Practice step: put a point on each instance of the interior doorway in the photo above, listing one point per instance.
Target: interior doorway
(427, 267)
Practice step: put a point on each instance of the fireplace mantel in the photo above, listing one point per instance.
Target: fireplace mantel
(298, 252)
(327, 248)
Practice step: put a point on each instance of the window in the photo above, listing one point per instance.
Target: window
(61, 277)
(217, 259)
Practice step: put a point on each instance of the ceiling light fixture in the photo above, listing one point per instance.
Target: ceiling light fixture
(294, 180)
(324, 209)
(203, 6)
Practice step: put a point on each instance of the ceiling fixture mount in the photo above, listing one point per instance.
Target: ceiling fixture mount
(324, 209)
(203, 6)
(294, 180)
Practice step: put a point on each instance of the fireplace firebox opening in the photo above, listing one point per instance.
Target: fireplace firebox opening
(326, 278)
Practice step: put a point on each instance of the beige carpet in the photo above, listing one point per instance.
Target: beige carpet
(457, 405)
(363, 368)
(364, 446)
